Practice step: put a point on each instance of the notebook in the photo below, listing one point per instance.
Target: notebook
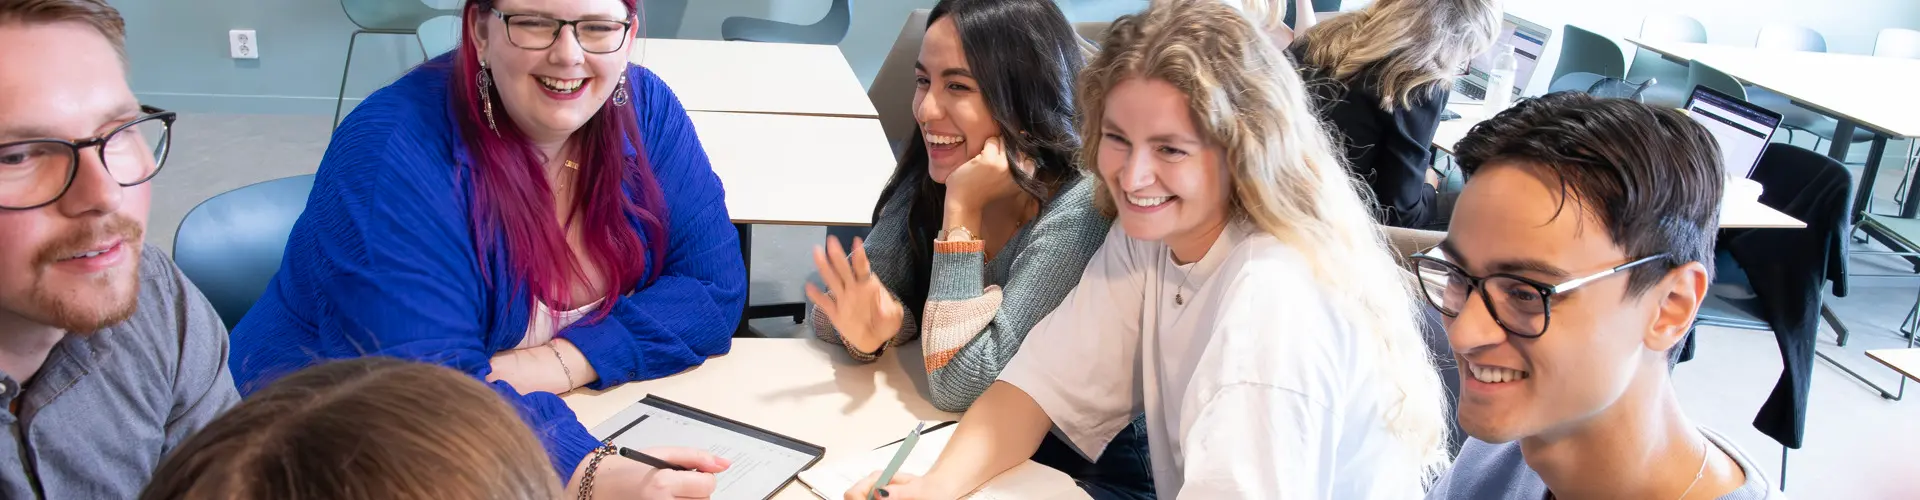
(763, 462)
(1029, 480)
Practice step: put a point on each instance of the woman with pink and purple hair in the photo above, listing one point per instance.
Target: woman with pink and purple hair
(529, 209)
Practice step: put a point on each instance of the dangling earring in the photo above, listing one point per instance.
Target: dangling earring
(620, 96)
(486, 95)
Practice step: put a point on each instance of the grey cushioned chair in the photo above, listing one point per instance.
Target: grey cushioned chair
(230, 245)
(829, 30)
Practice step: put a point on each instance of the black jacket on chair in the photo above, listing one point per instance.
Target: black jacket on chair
(1789, 268)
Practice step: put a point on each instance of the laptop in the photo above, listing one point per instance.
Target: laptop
(1528, 40)
(1741, 128)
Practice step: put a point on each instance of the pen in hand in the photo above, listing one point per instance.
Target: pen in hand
(650, 460)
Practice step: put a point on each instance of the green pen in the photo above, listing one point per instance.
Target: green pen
(899, 457)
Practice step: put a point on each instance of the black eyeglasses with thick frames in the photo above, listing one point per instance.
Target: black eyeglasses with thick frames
(536, 32)
(35, 173)
(1521, 306)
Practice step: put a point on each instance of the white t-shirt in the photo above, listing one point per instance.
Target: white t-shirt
(1253, 388)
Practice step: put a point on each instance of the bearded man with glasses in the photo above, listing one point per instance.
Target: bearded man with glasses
(109, 357)
(1578, 255)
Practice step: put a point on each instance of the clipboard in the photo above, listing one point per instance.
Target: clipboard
(764, 462)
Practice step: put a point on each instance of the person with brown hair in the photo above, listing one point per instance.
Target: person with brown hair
(378, 427)
(109, 357)
(1380, 76)
(1243, 300)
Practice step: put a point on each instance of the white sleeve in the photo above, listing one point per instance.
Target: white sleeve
(1254, 441)
(1081, 363)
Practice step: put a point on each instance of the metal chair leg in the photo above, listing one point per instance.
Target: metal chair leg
(1834, 321)
(1783, 467)
(341, 101)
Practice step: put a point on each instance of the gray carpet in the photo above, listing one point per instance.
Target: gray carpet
(1858, 445)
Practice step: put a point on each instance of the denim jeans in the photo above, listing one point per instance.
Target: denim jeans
(1124, 471)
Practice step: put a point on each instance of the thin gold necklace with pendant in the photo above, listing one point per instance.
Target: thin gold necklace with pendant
(1179, 295)
(566, 178)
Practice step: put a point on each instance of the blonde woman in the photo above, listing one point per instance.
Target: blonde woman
(1244, 300)
(1380, 77)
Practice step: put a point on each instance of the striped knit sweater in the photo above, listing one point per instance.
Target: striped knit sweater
(979, 311)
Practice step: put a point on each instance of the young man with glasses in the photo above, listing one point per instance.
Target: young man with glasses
(1579, 253)
(108, 356)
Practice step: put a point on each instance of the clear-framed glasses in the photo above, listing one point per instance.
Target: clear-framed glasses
(35, 173)
(1522, 306)
(534, 32)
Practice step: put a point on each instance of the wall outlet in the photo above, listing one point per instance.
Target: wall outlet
(243, 44)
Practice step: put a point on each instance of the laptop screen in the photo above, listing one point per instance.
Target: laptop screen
(1528, 40)
(1741, 128)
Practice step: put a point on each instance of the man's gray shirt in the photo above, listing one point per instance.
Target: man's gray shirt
(105, 408)
(1486, 471)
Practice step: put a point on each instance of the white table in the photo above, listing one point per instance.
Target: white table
(803, 388)
(756, 77)
(797, 169)
(1741, 213)
(1876, 93)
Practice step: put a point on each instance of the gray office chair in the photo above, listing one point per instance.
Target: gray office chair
(1669, 77)
(1700, 74)
(1589, 52)
(1318, 6)
(383, 17)
(1092, 32)
(892, 88)
(662, 18)
(828, 30)
(230, 245)
(1794, 118)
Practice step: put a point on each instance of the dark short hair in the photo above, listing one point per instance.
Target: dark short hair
(1650, 175)
(95, 13)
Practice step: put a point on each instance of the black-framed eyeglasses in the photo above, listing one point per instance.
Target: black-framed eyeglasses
(36, 173)
(535, 32)
(1521, 306)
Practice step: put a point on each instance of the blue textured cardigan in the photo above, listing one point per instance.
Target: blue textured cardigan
(383, 262)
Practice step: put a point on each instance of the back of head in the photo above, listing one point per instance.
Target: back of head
(1246, 99)
(364, 428)
(1412, 43)
(94, 13)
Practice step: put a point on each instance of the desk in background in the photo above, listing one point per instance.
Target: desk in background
(803, 388)
(1734, 214)
(757, 77)
(1876, 93)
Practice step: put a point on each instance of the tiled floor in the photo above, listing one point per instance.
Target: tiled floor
(1858, 445)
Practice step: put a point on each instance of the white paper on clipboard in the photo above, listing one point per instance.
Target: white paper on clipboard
(762, 462)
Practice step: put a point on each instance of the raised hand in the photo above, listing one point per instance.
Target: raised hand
(860, 307)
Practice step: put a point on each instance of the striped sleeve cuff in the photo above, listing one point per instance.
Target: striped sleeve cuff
(959, 271)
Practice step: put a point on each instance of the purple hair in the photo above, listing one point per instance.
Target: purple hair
(512, 209)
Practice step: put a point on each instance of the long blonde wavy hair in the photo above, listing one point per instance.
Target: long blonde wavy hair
(1416, 43)
(1246, 98)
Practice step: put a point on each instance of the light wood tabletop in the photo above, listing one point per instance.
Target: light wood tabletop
(1873, 92)
(1734, 213)
(1906, 361)
(756, 77)
(802, 388)
(797, 169)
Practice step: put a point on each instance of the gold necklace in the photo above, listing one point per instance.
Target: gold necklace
(566, 177)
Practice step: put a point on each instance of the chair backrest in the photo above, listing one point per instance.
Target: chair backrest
(1699, 73)
(892, 88)
(829, 30)
(1586, 51)
(391, 15)
(1779, 36)
(1672, 28)
(1094, 32)
(230, 245)
(1896, 42)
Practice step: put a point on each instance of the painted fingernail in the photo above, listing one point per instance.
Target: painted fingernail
(883, 492)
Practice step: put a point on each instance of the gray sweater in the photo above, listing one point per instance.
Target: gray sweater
(1498, 471)
(978, 311)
